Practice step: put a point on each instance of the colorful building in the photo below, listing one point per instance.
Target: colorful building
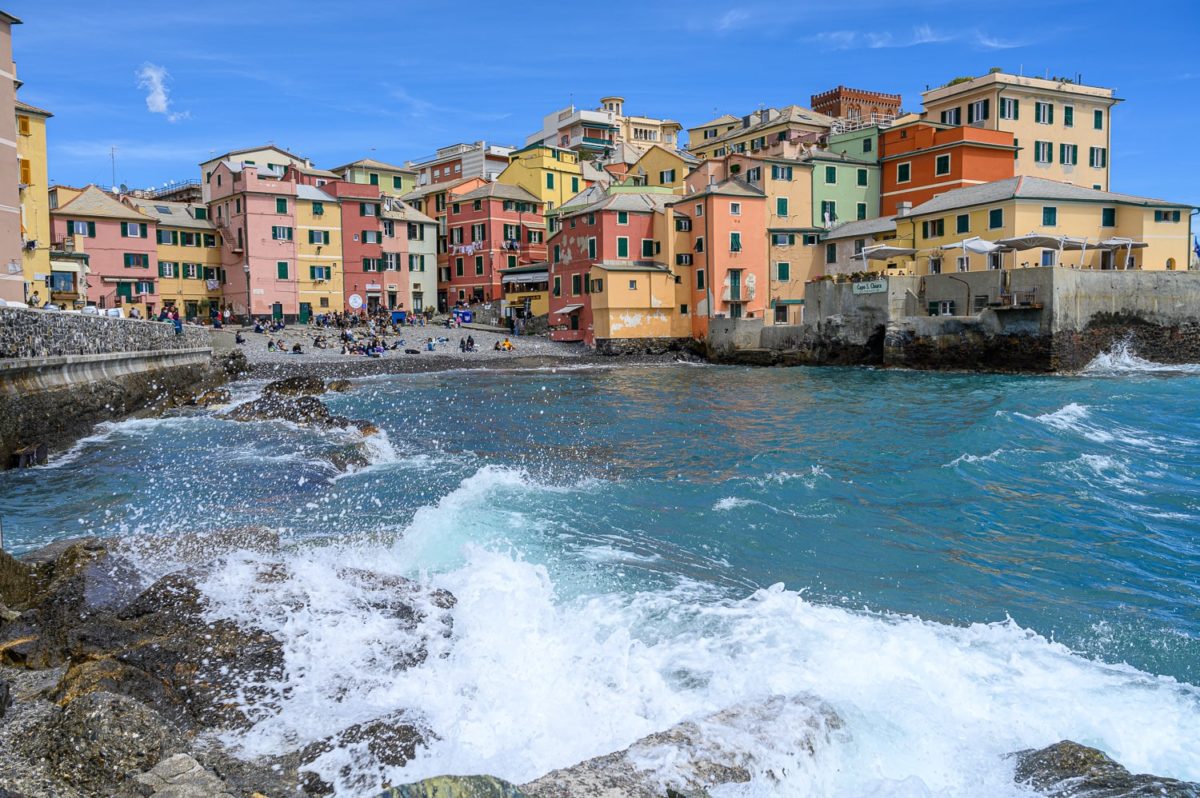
(527, 290)
(662, 167)
(266, 160)
(923, 159)
(33, 182)
(602, 130)
(12, 275)
(120, 243)
(860, 106)
(760, 129)
(191, 276)
(551, 174)
(844, 187)
(392, 180)
(700, 135)
(412, 237)
(1062, 128)
(493, 227)
(460, 162)
(365, 274)
(319, 268)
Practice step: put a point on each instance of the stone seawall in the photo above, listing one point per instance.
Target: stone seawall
(63, 373)
(26, 333)
(642, 346)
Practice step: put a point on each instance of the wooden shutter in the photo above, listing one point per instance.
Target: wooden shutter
(142, 228)
(125, 229)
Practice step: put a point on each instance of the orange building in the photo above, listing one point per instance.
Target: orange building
(924, 159)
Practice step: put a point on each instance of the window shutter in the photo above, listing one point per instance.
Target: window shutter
(125, 230)
(987, 109)
(1016, 109)
(142, 228)
(91, 229)
(970, 113)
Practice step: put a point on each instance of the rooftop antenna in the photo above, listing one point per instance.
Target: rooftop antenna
(112, 153)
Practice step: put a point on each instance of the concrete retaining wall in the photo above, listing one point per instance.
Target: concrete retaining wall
(28, 333)
(728, 335)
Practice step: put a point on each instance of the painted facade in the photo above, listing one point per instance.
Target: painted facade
(394, 181)
(265, 159)
(190, 275)
(603, 129)
(527, 290)
(494, 227)
(922, 159)
(319, 268)
(1063, 129)
(857, 105)
(551, 174)
(759, 130)
(365, 275)
(12, 275)
(33, 182)
(663, 168)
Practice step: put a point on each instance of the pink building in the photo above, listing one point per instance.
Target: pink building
(119, 242)
(491, 228)
(366, 276)
(255, 212)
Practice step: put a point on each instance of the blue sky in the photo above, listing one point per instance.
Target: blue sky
(170, 83)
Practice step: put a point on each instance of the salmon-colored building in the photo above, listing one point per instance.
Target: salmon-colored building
(923, 159)
(364, 270)
(491, 228)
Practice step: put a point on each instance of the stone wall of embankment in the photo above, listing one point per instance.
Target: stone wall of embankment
(63, 373)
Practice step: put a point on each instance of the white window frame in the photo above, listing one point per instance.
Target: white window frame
(735, 209)
(907, 164)
(963, 263)
(1007, 107)
(1042, 112)
(937, 159)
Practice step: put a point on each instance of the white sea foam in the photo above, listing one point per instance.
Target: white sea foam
(975, 458)
(731, 503)
(532, 680)
(1121, 359)
(1078, 419)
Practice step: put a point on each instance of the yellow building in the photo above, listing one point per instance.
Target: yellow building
(713, 129)
(527, 289)
(395, 181)
(35, 208)
(761, 129)
(635, 300)
(190, 276)
(551, 174)
(662, 167)
(318, 253)
(1062, 129)
(1037, 223)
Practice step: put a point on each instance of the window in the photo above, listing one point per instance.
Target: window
(935, 265)
(558, 286)
(82, 229)
(1010, 108)
(666, 176)
(754, 175)
(699, 279)
(397, 182)
(1098, 157)
(735, 209)
(557, 253)
(512, 232)
(144, 287)
(963, 263)
(1068, 154)
(280, 205)
(133, 230)
(862, 177)
(1098, 120)
(781, 172)
(1043, 152)
(391, 261)
(868, 145)
(783, 271)
(683, 259)
(591, 248)
(166, 269)
(237, 202)
(683, 224)
(781, 206)
(978, 111)
(201, 213)
(535, 236)
(962, 223)
(458, 267)
(318, 209)
(1167, 216)
(831, 253)
(829, 211)
(189, 239)
(137, 260)
(1049, 257)
(576, 284)
(831, 175)
(735, 242)
(370, 209)
(281, 233)
(575, 184)
(168, 237)
(479, 232)
(1043, 113)
(903, 172)
(191, 271)
(1068, 116)
(549, 180)
(699, 209)
(934, 228)
(320, 272)
(456, 235)
(389, 228)
(318, 236)
(941, 165)
(647, 247)
(281, 269)
(622, 217)
(1049, 216)
(699, 244)
(995, 218)
(861, 210)
(952, 116)
(512, 261)
(683, 310)
(1108, 217)
(23, 126)
(597, 286)
(373, 179)
(633, 285)
(622, 247)
(478, 265)
(783, 239)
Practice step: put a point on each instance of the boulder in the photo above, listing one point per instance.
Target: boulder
(339, 386)
(376, 745)
(216, 396)
(455, 787)
(180, 776)
(282, 407)
(295, 386)
(694, 755)
(1068, 769)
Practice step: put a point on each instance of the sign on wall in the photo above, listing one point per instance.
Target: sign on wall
(870, 287)
(355, 301)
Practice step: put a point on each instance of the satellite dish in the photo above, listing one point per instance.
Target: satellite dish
(114, 189)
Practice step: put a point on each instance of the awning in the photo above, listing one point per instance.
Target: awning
(1122, 243)
(74, 267)
(526, 277)
(977, 245)
(884, 252)
(569, 309)
(1033, 241)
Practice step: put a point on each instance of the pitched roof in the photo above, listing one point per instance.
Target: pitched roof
(255, 149)
(432, 188)
(404, 212)
(864, 227)
(1025, 187)
(789, 113)
(371, 163)
(174, 214)
(32, 109)
(527, 268)
(723, 119)
(498, 190)
(98, 203)
(733, 187)
(838, 157)
(312, 193)
(312, 170)
(632, 202)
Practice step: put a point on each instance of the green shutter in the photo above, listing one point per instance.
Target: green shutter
(142, 228)
(622, 217)
(280, 205)
(91, 229)
(175, 237)
(647, 248)
(622, 248)
(1016, 106)
(1098, 120)
(1068, 116)
(125, 229)
(781, 206)
(281, 269)
(549, 180)
(785, 270)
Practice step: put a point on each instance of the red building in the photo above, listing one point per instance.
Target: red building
(362, 244)
(860, 104)
(493, 227)
(920, 160)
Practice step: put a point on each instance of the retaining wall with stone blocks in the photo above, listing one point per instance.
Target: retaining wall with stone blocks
(28, 333)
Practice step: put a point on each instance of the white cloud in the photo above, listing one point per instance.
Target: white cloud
(153, 78)
(872, 40)
(733, 19)
(994, 43)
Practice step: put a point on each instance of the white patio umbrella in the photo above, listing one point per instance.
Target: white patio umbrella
(883, 252)
(1128, 243)
(1035, 241)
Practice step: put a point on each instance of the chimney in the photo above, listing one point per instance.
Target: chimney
(904, 209)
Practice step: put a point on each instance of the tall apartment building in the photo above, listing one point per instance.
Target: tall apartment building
(602, 129)
(35, 210)
(757, 131)
(1062, 128)
(12, 275)
(459, 162)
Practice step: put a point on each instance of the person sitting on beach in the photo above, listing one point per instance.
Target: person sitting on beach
(238, 338)
(270, 344)
(296, 350)
(345, 349)
(429, 344)
(507, 345)
(258, 327)
(470, 343)
(462, 344)
(496, 346)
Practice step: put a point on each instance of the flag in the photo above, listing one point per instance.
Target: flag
(1196, 246)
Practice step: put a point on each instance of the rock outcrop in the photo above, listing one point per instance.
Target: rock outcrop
(1070, 770)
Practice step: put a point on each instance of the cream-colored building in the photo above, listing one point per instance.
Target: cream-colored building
(268, 159)
(700, 135)
(760, 130)
(602, 129)
(1062, 129)
(319, 272)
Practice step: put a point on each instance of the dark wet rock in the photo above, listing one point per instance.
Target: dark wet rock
(295, 386)
(5, 697)
(698, 753)
(280, 407)
(197, 548)
(374, 746)
(349, 457)
(216, 396)
(455, 787)
(1070, 770)
(339, 386)
(102, 739)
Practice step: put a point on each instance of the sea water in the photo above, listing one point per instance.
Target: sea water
(961, 566)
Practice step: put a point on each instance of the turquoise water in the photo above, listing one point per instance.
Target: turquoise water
(961, 565)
